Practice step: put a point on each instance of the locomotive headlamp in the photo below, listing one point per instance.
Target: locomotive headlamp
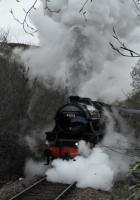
(76, 144)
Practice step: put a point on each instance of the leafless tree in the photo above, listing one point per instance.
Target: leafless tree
(4, 39)
(82, 9)
(47, 7)
(84, 4)
(137, 3)
(29, 29)
(4, 35)
(122, 49)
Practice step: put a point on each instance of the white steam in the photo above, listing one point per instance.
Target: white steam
(34, 168)
(76, 51)
(35, 141)
(32, 142)
(84, 148)
(117, 143)
(92, 171)
(98, 167)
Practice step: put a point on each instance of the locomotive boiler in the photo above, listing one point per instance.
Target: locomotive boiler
(79, 119)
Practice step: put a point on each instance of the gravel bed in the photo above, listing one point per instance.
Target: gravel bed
(87, 194)
(11, 188)
(120, 191)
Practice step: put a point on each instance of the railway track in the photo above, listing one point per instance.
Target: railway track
(43, 190)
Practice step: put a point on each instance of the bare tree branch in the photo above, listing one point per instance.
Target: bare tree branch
(82, 9)
(4, 35)
(49, 9)
(29, 29)
(137, 3)
(83, 6)
(26, 27)
(122, 49)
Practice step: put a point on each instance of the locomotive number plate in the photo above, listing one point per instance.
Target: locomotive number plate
(70, 114)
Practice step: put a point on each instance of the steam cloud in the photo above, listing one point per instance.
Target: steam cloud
(34, 168)
(98, 167)
(76, 52)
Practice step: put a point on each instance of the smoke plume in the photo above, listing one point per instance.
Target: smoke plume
(75, 50)
(34, 168)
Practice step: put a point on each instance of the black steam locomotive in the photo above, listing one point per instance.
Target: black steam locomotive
(80, 119)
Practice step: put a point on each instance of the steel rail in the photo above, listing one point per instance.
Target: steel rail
(27, 189)
(61, 195)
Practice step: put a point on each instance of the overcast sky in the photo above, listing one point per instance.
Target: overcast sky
(7, 22)
(59, 36)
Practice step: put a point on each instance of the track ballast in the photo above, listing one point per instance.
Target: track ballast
(44, 190)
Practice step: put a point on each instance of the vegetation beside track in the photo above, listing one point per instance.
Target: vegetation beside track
(27, 106)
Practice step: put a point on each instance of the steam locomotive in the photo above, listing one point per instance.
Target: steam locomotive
(79, 119)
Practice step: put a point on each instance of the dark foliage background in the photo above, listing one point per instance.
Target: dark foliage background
(25, 106)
